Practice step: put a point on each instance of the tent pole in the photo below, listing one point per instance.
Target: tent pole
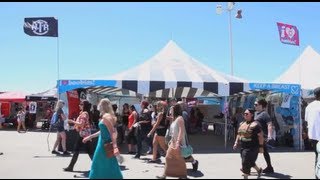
(300, 102)
(225, 125)
(300, 116)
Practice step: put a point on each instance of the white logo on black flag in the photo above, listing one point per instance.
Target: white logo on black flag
(41, 26)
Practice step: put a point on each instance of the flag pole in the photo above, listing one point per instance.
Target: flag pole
(58, 61)
(300, 102)
(58, 64)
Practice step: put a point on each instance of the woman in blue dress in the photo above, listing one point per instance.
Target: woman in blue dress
(103, 167)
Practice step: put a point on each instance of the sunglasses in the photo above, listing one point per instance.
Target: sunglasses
(256, 104)
(245, 114)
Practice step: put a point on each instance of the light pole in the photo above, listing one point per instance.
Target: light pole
(219, 10)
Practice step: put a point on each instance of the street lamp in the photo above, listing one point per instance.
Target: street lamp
(219, 10)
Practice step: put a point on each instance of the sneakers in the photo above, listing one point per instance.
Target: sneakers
(195, 166)
(131, 152)
(137, 156)
(54, 152)
(66, 153)
(268, 170)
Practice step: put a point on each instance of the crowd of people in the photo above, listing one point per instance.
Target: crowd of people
(149, 127)
(162, 125)
(166, 126)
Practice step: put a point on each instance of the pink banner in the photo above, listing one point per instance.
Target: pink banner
(288, 34)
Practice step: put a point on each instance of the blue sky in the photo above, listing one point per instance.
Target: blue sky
(101, 39)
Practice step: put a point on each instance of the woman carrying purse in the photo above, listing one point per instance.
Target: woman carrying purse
(104, 163)
(175, 164)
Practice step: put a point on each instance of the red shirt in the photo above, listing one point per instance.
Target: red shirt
(131, 120)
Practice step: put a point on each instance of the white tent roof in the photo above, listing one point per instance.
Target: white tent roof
(173, 64)
(169, 73)
(305, 70)
(50, 92)
(172, 68)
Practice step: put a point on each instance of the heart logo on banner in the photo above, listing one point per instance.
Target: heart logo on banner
(290, 32)
(294, 89)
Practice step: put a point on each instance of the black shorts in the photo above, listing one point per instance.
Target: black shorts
(161, 131)
(131, 139)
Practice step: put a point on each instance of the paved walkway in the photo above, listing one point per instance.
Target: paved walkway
(26, 155)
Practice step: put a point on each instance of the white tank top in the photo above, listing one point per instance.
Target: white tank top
(174, 131)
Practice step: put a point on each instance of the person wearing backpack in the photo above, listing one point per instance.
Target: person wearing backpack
(59, 117)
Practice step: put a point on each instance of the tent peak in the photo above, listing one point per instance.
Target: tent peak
(304, 70)
(171, 48)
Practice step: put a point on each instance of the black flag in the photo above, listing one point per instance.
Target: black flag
(41, 26)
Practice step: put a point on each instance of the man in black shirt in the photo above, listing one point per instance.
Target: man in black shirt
(265, 121)
(145, 127)
(95, 116)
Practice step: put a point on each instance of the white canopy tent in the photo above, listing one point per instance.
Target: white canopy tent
(50, 94)
(304, 71)
(174, 73)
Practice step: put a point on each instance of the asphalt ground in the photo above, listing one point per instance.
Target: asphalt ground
(26, 155)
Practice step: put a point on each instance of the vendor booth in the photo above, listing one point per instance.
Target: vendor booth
(304, 71)
(283, 107)
(9, 104)
(172, 73)
(41, 107)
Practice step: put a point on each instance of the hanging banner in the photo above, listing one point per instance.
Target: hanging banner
(5, 109)
(286, 100)
(66, 85)
(73, 104)
(32, 107)
(285, 88)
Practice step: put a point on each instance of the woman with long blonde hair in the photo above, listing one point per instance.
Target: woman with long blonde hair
(61, 135)
(104, 167)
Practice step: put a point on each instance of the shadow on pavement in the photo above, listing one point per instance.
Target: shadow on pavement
(85, 174)
(276, 175)
(57, 156)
